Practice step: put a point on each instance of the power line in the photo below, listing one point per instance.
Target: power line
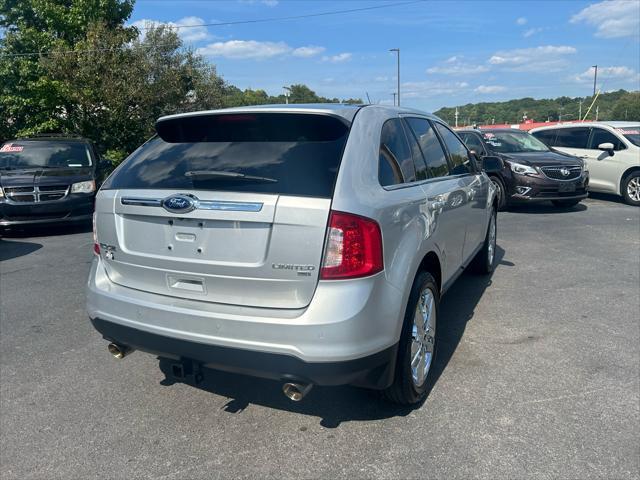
(218, 24)
(293, 17)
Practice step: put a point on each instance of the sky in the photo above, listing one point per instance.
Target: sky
(451, 52)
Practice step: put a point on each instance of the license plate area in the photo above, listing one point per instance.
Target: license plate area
(567, 187)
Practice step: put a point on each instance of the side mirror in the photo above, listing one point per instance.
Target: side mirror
(475, 158)
(492, 164)
(606, 147)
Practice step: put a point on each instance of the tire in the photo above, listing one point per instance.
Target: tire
(565, 203)
(631, 189)
(484, 261)
(412, 385)
(501, 194)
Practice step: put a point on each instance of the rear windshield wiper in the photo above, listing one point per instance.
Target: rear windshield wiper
(233, 175)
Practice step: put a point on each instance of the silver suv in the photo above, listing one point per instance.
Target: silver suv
(305, 243)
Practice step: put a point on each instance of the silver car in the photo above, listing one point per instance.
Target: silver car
(304, 243)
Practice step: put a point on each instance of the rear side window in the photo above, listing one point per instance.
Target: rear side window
(600, 135)
(548, 137)
(473, 142)
(289, 154)
(395, 161)
(458, 153)
(572, 137)
(418, 160)
(431, 147)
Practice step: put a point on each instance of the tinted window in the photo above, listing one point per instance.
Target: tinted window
(42, 153)
(631, 133)
(473, 142)
(458, 153)
(547, 137)
(572, 137)
(291, 154)
(395, 149)
(600, 135)
(388, 170)
(418, 160)
(430, 145)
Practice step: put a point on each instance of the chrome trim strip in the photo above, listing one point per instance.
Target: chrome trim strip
(35, 193)
(141, 202)
(199, 204)
(228, 206)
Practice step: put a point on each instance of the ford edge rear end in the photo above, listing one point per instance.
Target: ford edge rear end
(216, 246)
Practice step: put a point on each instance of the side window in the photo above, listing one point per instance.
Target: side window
(600, 135)
(418, 160)
(572, 137)
(430, 145)
(548, 137)
(458, 153)
(473, 142)
(395, 164)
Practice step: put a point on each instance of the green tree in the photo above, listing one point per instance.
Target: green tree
(627, 107)
(30, 101)
(113, 93)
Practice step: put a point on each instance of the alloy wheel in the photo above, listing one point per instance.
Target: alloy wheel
(492, 239)
(633, 189)
(423, 337)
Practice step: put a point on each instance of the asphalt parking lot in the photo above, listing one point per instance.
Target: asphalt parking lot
(538, 376)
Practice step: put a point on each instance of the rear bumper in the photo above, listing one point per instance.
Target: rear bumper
(74, 208)
(348, 331)
(373, 371)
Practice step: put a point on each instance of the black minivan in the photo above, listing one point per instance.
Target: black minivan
(531, 171)
(47, 179)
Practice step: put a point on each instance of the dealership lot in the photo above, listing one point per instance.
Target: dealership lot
(538, 375)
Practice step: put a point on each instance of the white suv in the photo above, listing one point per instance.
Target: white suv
(611, 151)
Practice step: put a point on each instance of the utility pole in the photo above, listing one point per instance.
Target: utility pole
(286, 95)
(580, 109)
(397, 50)
(394, 98)
(597, 109)
(595, 78)
(457, 117)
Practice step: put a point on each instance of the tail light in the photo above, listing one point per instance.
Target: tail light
(354, 247)
(96, 245)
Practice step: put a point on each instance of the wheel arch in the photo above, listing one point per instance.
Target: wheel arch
(431, 263)
(625, 174)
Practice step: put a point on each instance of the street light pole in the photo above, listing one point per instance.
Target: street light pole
(397, 50)
(394, 98)
(595, 78)
(286, 97)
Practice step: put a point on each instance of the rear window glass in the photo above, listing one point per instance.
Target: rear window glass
(632, 134)
(18, 154)
(290, 154)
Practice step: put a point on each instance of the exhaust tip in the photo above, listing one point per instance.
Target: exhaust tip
(118, 351)
(296, 391)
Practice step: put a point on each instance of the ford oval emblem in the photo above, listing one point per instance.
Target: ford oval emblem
(179, 203)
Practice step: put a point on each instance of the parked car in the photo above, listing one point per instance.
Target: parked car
(531, 172)
(611, 151)
(47, 179)
(307, 244)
